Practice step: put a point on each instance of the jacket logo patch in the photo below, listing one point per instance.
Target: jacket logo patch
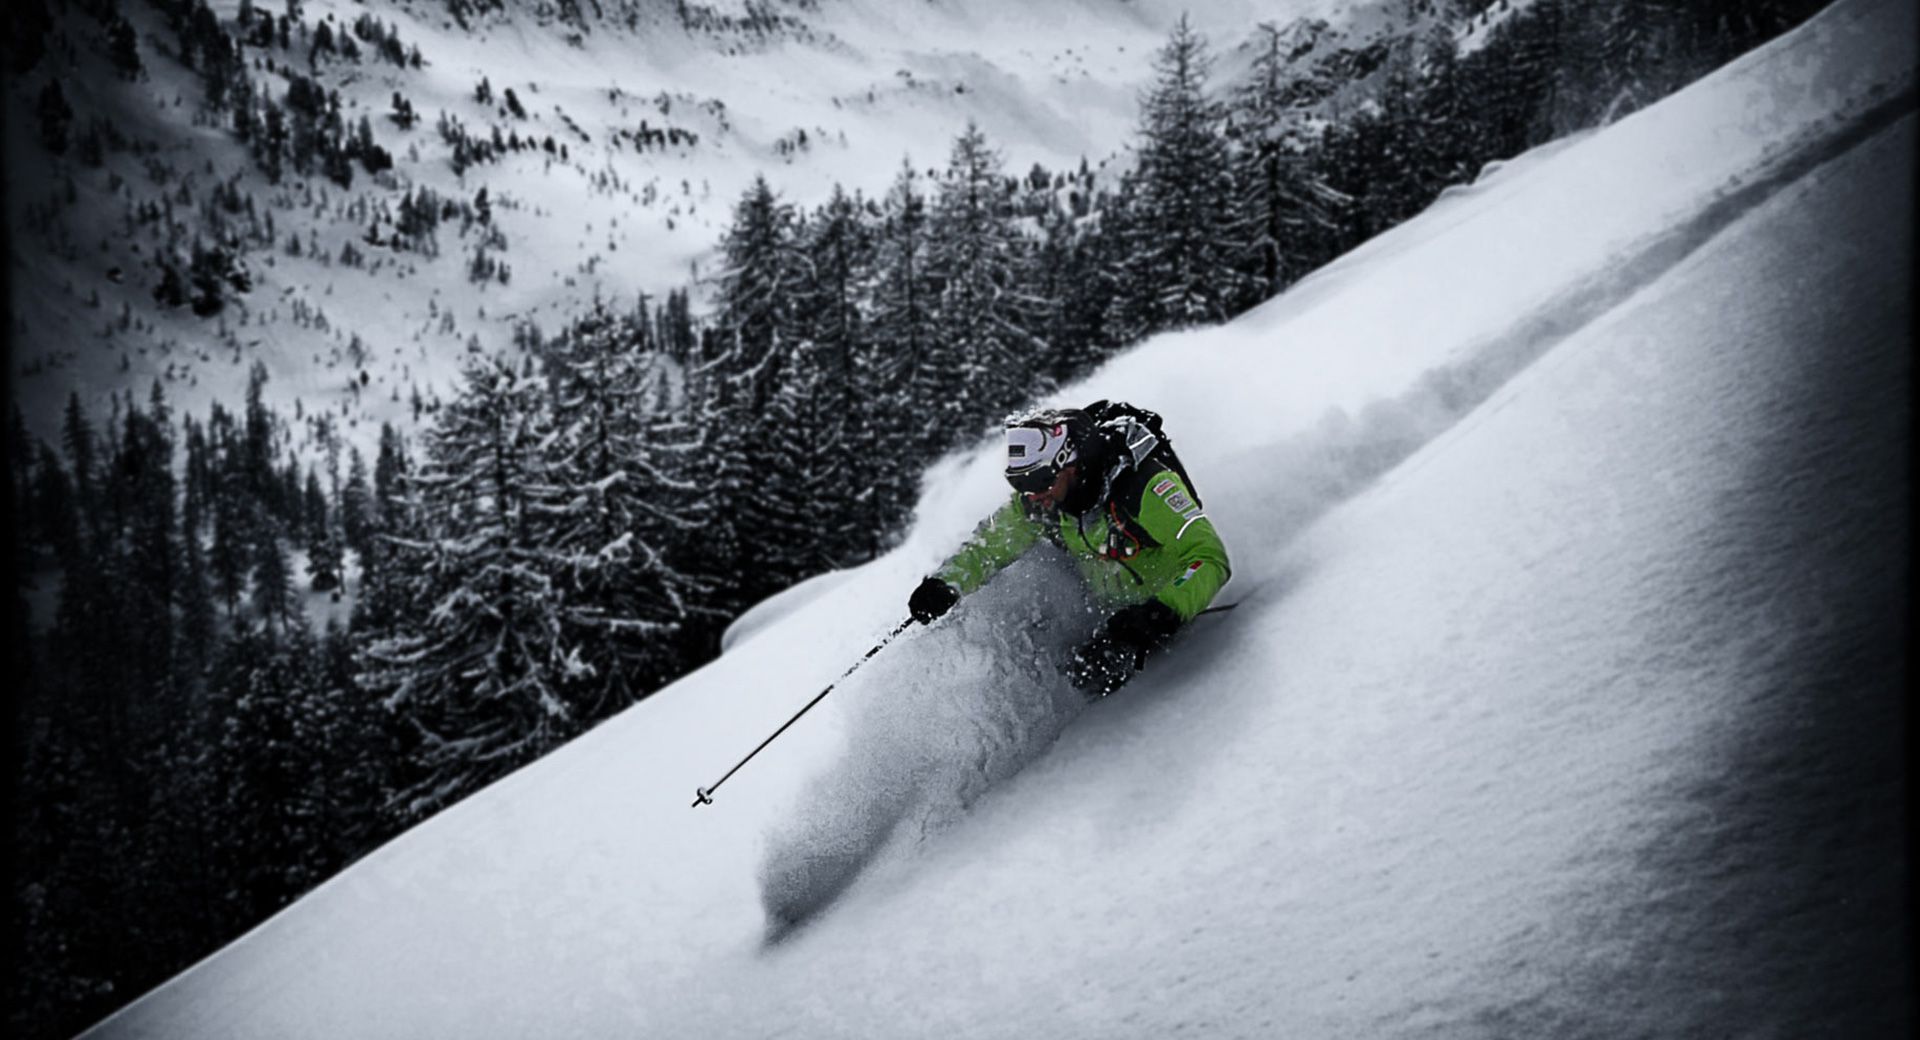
(1179, 502)
(1192, 569)
(1164, 486)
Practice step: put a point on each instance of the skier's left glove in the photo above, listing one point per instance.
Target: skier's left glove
(1111, 657)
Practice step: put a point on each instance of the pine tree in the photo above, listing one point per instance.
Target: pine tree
(144, 469)
(758, 329)
(757, 292)
(393, 516)
(1447, 113)
(1125, 263)
(390, 468)
(801, 512)
(1399, 181)
(56, 117)
(315, 516)
(722, 455)
(123, 45)
(77, 439)
(676, 335)
(233, 510)
(275, 603)
(270, 761)
(477, 661)
(903, 335)
(1276, 209)
(611, 510)
(847, 405)
(55, 510)
(1185, 190)
(197, 617)
(324, 561)
(983, 356)
(1068, 278)
(356, 505)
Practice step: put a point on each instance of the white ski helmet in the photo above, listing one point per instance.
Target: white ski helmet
(1042, 443)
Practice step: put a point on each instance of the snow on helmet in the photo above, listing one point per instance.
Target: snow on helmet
(1042, 443)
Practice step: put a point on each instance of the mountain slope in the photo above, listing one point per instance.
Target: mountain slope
(1580, 719)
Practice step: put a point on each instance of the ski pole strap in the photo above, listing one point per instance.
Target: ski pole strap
(704, 795)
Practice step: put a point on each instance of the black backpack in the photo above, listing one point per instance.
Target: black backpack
(1118, 416)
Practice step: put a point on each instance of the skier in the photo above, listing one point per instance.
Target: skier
(1103, 483)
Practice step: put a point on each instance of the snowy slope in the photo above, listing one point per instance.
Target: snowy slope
(1569, 523)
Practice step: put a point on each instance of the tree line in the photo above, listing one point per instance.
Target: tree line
(578, 523)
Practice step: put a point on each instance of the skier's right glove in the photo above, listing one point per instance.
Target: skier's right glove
(1101, 666)
(932, 599)
(1120, 648)
(1144, 626)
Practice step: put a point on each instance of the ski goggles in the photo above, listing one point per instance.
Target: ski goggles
(1036, 481)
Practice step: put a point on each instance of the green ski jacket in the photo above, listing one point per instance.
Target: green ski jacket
(1148, 540)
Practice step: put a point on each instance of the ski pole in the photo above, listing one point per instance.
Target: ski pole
(704, 795)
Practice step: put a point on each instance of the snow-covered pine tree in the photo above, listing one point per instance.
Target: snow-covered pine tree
(356, 505)
(1513, 80)
(1185, 189)
(393, 499)
(197, 625)
(675, 327)
(325, 560)
(758, 323)
(1399, 183)
(757, 290)
(851, 396)
(149, 589)
(1124, 263)
(981, 354)
(903, 330)
(315, 513)
(476, 659)
(802, 511)
(1068, 280)
(1276, 206)
(232, 509)
(390, 512)
(274, 601)
(1446, 111)
(610, 512)
(77, 438)
(264, 766)
(712, 439)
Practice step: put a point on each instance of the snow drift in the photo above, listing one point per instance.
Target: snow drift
(1563, 699)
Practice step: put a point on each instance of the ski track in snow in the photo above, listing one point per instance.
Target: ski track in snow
(1318, 469)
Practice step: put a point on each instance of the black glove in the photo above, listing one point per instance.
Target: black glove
(1144, 626)
(932, 599)
(1110, 658)
(1101, 666)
